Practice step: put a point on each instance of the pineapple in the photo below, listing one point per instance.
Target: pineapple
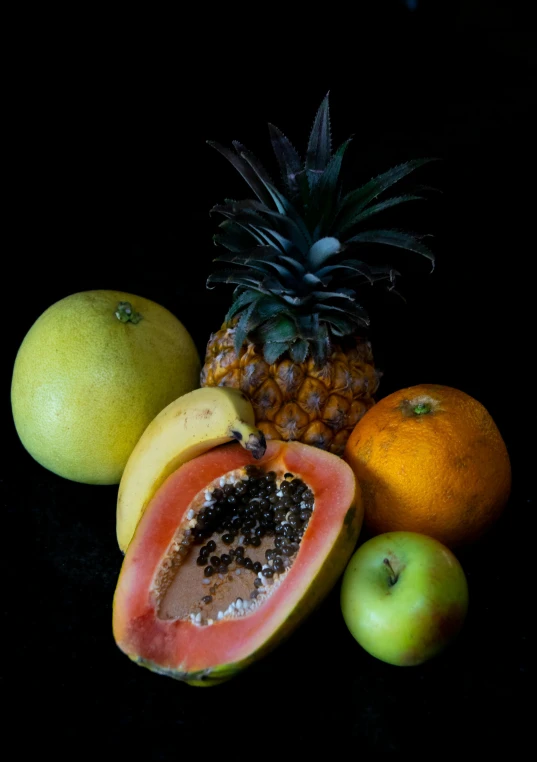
(294, 338)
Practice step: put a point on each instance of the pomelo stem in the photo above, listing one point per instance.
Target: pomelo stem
(126, 314)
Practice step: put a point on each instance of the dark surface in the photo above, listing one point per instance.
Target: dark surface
(111, 189)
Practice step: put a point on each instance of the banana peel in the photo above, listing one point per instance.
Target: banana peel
(188, 427)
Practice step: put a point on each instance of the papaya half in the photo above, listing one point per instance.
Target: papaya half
(230, 555)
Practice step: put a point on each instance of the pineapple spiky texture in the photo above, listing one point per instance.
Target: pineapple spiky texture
(293, 340)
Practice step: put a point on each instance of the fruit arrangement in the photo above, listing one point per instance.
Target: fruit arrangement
(241, 501)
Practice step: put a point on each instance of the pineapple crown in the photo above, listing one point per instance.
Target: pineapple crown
(291, 274)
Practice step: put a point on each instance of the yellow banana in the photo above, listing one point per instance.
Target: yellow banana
(188, 427)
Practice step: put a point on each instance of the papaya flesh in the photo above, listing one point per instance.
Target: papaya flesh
(162, 616)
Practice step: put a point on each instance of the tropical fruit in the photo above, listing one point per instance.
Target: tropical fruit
(293, 339)
(230, 555)
(187, 427)
(430, 459)
(92, 372)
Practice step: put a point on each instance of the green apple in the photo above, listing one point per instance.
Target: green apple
(404, 597)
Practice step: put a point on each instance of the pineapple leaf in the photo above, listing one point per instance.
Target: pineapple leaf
(382, 205)
(292, 231)
(320, 347)
(313, 280)
(385, 273)
(266, 308)
(288, 159)
(356, 201)
(399, 238)
(353, 309)
(263, 263)
(282, 223)
(267, 284)
(273, 350)
(308, 326)
(249, 229)
(339, 326)
(393, 290)
(314, 178)
(282, 204)
(243, 326)
(241, 301)
(297, 265)
(258, 233)
(258, 265)
(342, 293)
(237, 291)
(245, 169)
(357, 268)
(323, 195)
(421, 188)
(297, 301)
(277, 198)
(299, 350)
(331, 173)
(233, 237)
(322, 250)
(269, 306)
(254, 162)
(275, 239)
(319, 145)
(378, 273)
(259, 252)
(304, 187)
(231, 208)
(239, 277)
(278, 329)
(354, 265)
(242, 216)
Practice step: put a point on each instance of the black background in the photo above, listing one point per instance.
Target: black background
(110, 184)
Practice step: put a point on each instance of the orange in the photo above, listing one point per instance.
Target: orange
(430, 459)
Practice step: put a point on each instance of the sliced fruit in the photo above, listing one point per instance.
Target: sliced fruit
(230, 556)
(188, 427)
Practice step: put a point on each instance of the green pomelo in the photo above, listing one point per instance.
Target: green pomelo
(92, 372)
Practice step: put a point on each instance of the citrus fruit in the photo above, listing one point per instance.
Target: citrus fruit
(91, 373)
(430, 459)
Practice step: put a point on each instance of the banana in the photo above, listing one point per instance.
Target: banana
(188, 427)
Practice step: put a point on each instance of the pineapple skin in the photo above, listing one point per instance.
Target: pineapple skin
(319, 406)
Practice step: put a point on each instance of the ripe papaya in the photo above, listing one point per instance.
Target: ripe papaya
(230, 555)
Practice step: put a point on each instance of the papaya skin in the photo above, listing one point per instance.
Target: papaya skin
(313, 588)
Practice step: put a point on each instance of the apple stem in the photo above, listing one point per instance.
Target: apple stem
(393, 576)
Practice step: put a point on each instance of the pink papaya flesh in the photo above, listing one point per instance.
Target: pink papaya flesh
(180, 619)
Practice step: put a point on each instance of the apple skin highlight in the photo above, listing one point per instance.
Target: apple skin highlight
(404, 597)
